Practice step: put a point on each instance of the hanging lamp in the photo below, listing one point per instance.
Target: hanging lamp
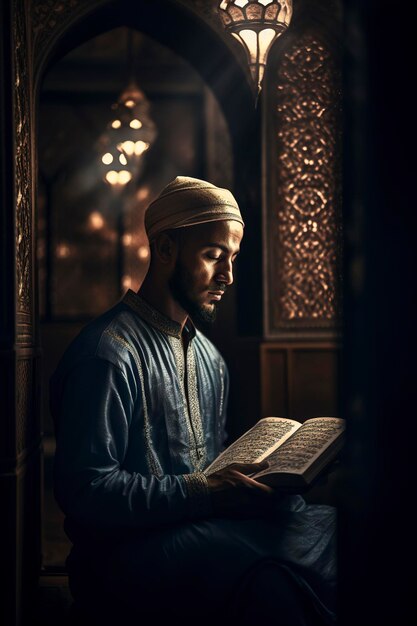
(256, 24)
(130, 132)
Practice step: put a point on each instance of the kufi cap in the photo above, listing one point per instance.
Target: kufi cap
(187, 201)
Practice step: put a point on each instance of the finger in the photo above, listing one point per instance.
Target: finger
(253, 484)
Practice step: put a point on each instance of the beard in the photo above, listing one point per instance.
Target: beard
(181, 283)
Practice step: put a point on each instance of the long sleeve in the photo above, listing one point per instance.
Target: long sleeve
(94, 414)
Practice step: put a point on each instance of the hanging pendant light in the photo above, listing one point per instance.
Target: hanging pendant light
(256, 24)
(129, 134)
(133, 129)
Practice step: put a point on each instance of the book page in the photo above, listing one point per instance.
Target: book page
(256, 443)
(305, 445)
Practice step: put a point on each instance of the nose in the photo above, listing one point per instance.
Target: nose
(225, 273)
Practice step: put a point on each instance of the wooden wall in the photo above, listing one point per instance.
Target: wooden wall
(300, 380)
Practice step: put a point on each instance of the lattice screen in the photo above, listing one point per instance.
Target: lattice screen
(304, 238)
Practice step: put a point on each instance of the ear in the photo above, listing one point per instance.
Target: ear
(165, 248)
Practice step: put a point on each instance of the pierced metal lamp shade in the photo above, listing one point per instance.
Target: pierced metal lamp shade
(256, 24)
(133, 127)
(129, 135)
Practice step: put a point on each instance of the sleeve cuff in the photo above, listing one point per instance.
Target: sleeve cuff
(198, 493)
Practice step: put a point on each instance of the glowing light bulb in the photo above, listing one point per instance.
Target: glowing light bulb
(124, 177)
(112, 177)
(107, 158)
(135, 124)
(116, 124)
(141, 147)
(128, 147)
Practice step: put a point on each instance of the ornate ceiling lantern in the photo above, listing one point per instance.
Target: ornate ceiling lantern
(129, 135)
(133, 129)
(130, 132)
(256, 24)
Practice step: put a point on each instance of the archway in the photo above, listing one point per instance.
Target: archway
(91, 240)
(33, 35)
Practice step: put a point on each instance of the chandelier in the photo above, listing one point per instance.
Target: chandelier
(129, 134)
(256, 24)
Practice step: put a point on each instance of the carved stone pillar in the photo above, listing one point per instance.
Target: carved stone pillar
(19, 427)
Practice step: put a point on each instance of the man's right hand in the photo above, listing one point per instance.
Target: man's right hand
(235, 494)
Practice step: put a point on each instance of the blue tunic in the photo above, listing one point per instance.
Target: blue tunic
(137, 421)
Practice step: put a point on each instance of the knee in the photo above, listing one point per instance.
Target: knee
(270, 592)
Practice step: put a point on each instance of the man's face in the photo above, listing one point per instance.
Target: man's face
(204, 266)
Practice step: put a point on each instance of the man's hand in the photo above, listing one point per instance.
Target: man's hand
(234, 493)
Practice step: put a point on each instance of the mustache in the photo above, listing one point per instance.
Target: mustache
(219, 287)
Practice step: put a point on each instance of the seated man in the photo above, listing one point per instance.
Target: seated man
(139, 401)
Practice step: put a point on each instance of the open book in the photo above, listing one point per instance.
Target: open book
(297, 453)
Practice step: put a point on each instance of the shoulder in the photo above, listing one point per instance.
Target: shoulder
(110, 337)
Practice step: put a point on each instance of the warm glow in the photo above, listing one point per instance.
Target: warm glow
(63, 251)
(134, 147)
(266, 37)
(112, 177)
(118, 178)
(250, 39)
(107, 158)
(96, 220)
(127, 239)
(143, 193)
(124, 177)
(143, 253)
(128, 147)
(136, 124)
(141, 147)
(116, 124)
(129, 103)
(127, 281)
(122, 159)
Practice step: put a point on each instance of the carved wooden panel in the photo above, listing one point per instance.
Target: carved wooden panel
(47, 20)
(23, 163)
(27, 426)
(299, 380)
(304, 240)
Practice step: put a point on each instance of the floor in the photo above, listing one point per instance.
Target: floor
(54, 598)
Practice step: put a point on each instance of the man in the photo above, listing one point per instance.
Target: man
(139, 401)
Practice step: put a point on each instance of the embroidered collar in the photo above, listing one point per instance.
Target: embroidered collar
(156, 318)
